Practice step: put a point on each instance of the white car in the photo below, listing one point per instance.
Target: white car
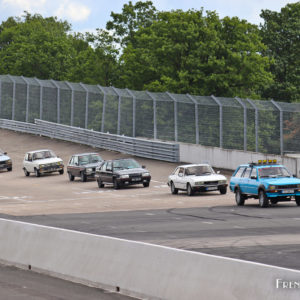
(42, 161)
(196, 177)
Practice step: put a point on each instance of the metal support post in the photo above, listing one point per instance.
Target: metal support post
(14, 97)
(119, 110)
(281, 125)
(72, 102)
(41, 98)
(133, 111)
(196, 117)
(175, 117)
(27, 98)
(86, 105)
(256, 123)
(220, 119)
(154, 115)
(103, 106)
(57, 101)
(245, 121)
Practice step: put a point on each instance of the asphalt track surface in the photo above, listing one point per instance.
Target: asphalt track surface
(207, 222)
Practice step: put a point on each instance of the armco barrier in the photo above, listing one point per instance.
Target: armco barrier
(138, 269)
(165, 151)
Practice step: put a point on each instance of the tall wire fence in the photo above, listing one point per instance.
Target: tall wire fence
(230, 123)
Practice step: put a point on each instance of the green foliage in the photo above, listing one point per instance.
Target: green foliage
(189, 52)
(280, 33)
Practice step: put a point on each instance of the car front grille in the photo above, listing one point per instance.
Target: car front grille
(287, 186)
(210, 182)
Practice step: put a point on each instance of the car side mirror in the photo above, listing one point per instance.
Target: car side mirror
(143, 167)
(5, 153)
(180, 175)
(294, 175)
(108, 169)
(218, 172)
(76, 164)
(253, 177)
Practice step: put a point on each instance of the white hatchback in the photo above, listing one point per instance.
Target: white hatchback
(196, 177)
(42, 161)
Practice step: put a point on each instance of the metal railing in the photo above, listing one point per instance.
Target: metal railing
(230, 123)
(135, 146)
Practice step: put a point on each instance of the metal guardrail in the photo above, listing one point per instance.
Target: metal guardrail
(135, 146)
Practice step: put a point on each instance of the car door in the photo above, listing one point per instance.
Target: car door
(253, 183)
(28, 163)
(243, 182)
(106, 173)
(178, 178)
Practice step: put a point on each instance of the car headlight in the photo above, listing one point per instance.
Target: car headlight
(199, 182)
(59, 163)
(298, 186)
(272, 187)
(9, 161)
(89, 170)
(222, 181)
(124, 176)
(147, 174)
(41, 166)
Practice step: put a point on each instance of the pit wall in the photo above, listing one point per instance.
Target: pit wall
(231, 159)
(137, 269)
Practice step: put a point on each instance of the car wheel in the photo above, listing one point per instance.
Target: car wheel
(297, 199)
(82, 177)
(239, 197)
(189, 190)
(146, 184)
(37, 173)
(100, 184)
(26, 172)
(223, 190)
(116, 185)
(263, 199)
(174, 191)
(61, 171)
(71, 177)
(9, 169)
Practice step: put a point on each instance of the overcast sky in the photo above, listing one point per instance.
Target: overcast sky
(91, 14)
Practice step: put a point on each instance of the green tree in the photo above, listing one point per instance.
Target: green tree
(281, 33)
(133, 16)
(36, 47)
(187, 52)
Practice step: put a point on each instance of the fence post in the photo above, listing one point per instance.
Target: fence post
(133, 111)
(256, 123)
(245, 121)
(41, 98)
(57, 101)
(14, 98)
(103, 107)
(72, 102)
(119, 110)
(154, 115)
(281, 125)
(220, 118)
(175, 117)
(86, 105)
(196, 117)
(27, 98)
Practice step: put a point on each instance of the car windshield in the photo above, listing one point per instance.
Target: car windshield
(43, 154)
(199, 170)
(89, 159)
(273, 172)
(126, 164)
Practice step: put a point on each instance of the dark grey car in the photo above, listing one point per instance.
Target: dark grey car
(83, 165)
(122, 172)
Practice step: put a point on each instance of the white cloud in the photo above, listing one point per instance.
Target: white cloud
(22, 5)
(73, 11)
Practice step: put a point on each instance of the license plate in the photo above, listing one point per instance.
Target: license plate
(211, 188)
(287, 191)
(136, 179)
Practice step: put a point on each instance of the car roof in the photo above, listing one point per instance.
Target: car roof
(34, 151)
(192, 165)
(260, 165)
(86, 153)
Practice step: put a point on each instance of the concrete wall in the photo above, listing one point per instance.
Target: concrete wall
(139, 269)
(230, 159)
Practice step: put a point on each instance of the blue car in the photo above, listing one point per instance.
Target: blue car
(265, 181)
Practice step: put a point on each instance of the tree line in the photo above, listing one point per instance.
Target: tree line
(178, 51)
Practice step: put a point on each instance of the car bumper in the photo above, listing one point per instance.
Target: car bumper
(131, 181)
(51, 169)
(5, 166)
(208, 188)
(282, 194)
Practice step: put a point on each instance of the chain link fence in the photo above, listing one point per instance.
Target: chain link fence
(230, 123)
